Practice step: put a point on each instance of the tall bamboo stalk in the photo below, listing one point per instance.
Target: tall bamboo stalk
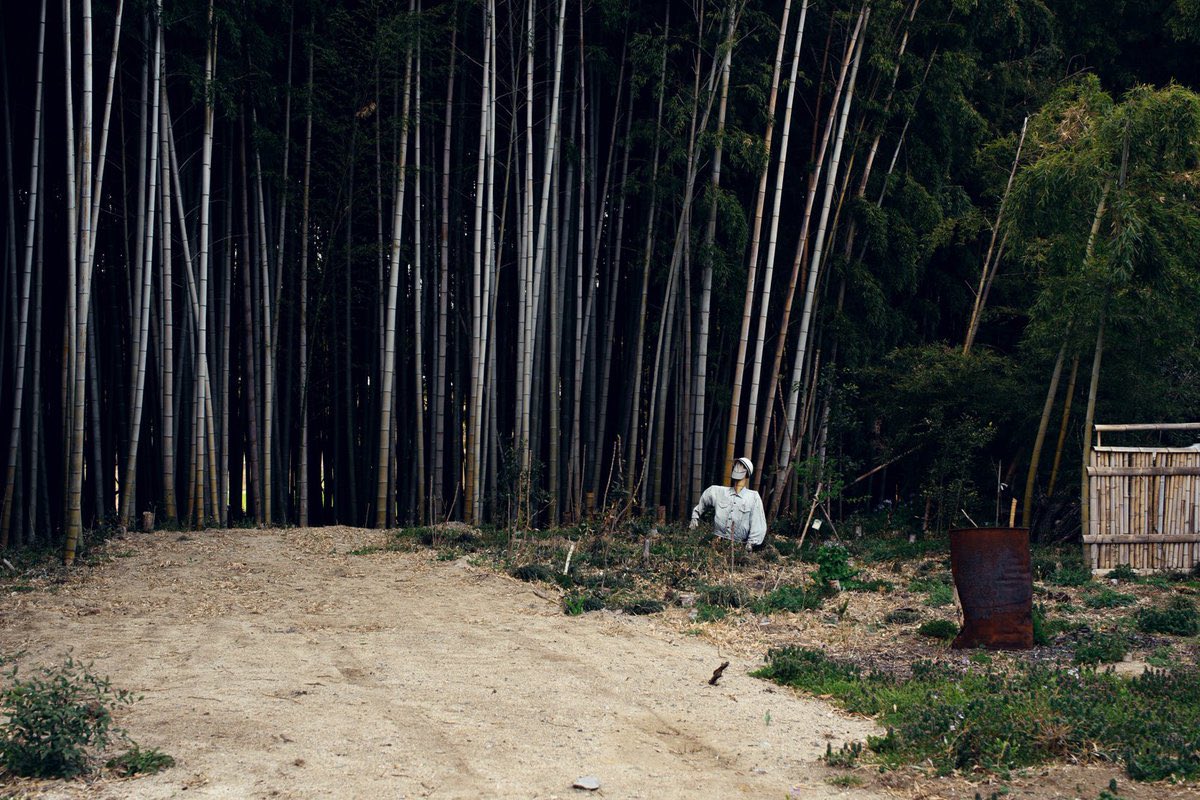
(383, 485)
(26, 283)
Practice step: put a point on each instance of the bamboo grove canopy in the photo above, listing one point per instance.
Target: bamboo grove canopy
(382, 263)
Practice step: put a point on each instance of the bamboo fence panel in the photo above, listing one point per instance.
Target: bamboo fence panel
(1144, 504)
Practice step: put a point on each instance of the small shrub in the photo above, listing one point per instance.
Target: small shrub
(1102, 648)
(833, 564)
(902, 616)
(706, 612)
(576, 604)
(137, 761)
(1041, 636)
(846, 757)
(790, 598)
(721, 595)
(1070, 574)
(533, 572)
(1123, 573)
(1178, 618)
(877, 585)
(56, 717)
(942, 629)
(643, 606)
(1108, 598)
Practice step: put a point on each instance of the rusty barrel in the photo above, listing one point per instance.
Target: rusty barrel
(993, 575)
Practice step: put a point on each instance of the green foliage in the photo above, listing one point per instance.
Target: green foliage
(1179, 618)
(939, 592)
(57, 717)
(1122, 573)
(1108, 598)
(942, 629)
(1070, 574)
(722, 596)
(999, 719)
(642, 606)
(1101, 648)
(789, 598)
(1042, 632)
(139, 761)
(833, 564)
(902, 616)
(706, 612)
(846, 757)
(581, 603)
(533, 572)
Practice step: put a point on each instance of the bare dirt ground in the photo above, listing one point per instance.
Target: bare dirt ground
(276, 664)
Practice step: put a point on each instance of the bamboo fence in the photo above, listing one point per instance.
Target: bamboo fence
(1144, 504)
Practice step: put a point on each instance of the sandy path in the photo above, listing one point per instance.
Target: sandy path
(274, 664)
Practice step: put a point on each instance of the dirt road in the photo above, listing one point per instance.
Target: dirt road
(275, 664)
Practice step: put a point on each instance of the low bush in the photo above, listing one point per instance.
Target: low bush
(721, 595)
(846, 757)
(642, 606)
(1123, 573)
(1178, 618)
(56, 719)
(1102, 648)
(1070, 574)
(833, 564)
(576, 604)
(1108, 598)
(790, 598)
(984, 716)
(533, 572)
(942, 629)
(139, 761)
(938, 592)
(706, 612)
(902, 616)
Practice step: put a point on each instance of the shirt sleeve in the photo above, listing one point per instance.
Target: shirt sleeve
(758, 522)
(705, 503)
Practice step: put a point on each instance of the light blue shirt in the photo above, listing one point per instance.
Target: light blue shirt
(737, 515)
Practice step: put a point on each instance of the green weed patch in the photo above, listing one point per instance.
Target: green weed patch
(994, 719)
(1178, 617)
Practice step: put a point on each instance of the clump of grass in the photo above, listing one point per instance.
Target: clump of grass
(942, 629)
(1070, 574)
(844, 781)
(642, 606)
(995, 718)
(721, 595)
(789, 598)
(902, 616)
(139, 761)
(576, 604)
(844, 758)
(1123, 573)
(533, 572)
(877, 585)
(706, 612)
(1109, 598)
(1102, 648)
(1178, 618)
(938, 592)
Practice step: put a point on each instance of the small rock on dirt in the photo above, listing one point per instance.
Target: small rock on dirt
(589, 782)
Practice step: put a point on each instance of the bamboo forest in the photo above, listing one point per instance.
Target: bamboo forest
(369, 263)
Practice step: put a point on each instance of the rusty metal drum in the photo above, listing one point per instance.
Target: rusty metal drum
(994, 578)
